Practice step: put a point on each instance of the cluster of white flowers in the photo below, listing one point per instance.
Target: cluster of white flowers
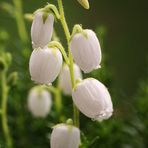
(90, 96)
(45, 63)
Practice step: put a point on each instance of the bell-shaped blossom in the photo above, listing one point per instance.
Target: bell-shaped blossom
(65, 79)
(45, 65)
(41, 29)
(93, 99)
(39, 102)
(86, 51)
(65, 136)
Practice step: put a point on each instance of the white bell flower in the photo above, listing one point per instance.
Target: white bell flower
(45, 65)
(86, 50)
(41, 29)
(93, 99)
(65, 136)
(39, 102)
(65, 79)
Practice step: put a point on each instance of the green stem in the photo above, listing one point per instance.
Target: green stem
(63, 20)
(54, 9)
(5, 90)
(57, 93)
(67, 34)
(20, 20)
(61, 48)
(51, 88)
(58, 99)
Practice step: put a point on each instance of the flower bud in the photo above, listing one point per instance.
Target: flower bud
(39, 102)
(45, 65)
(93, 99)
(84, 3)
(65, 136)
(86, 51)
(65, 79)
(41, 29)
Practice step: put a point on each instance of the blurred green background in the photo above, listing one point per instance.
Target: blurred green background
(122, 28)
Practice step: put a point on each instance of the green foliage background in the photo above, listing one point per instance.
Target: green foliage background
(122, 28)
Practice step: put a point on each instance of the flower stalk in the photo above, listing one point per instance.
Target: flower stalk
(61, 48)
(58, 100)
(54, 9)
(4, 96)
(68, 36)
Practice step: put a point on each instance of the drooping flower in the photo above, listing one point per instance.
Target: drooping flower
(65, 79)
(45, 65)
(39, 102)
(86, 51)
(93, 99)
(42, 29)
(65, 136)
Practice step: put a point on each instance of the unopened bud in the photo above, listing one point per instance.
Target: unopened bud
(84, 3)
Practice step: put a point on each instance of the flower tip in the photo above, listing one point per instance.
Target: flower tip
(87, 6)
(98, 67)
